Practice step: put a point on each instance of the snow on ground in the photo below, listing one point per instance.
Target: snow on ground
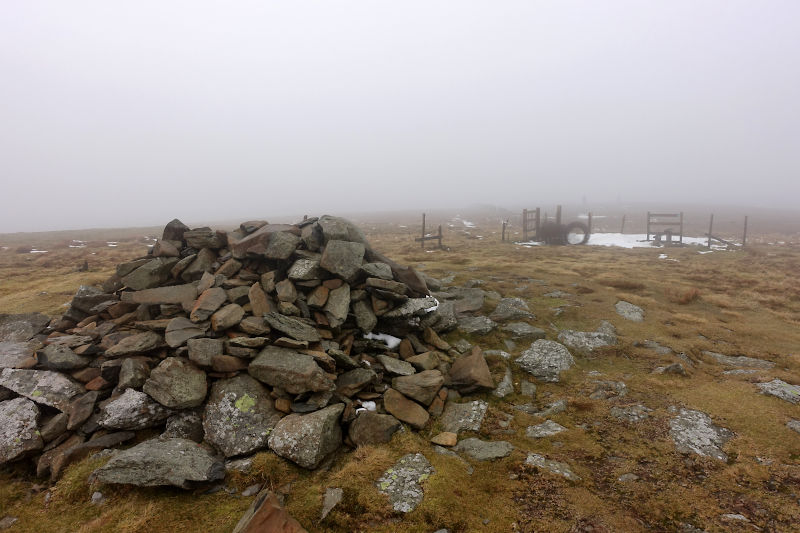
(632, 240)
(391, 342)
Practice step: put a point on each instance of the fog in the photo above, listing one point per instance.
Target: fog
(118, 114)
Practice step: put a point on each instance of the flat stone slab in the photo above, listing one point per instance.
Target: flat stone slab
(458, 417)
(693, 431)
(18, 354)
(402, 482)
(629, 311)
(545, 429)
(308, 439)
(156, 462)
(776, 387)
(633, 413)
(482, 450)
(511, 309)
(554, 467)
(413, 307)
(523, 331)
(545, 360)
(586, 341)
(42, 386)
(21, 327)
(476, 325)
(740, 361)
(293, 327)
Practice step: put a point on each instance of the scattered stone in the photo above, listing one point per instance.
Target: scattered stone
(266, 514)
(506, 385)
(693, 431)
(404, 409)
(776, 387)
(545, 429)
(545, 360)
(511, 309)
(307, 439)
(586, 341)
(633, 413)
(524, 331)
(402, 482)
(605, 389)
(629, 311)
(555, 467)
(794, 425)
(156, 462)
(332, 498)
(481, 450)
(471, 373)
(626, 478)
(740, 361)
(445, 438)
(373, 428)
(458, 417)
(476, 325)
(674, 368)
(527, 388)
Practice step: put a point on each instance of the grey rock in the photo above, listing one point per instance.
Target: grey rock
(201, 351)
(18, 354)
(21, 327)
(41, 386)
(458, 417)
(442, 319)
(586, 341)
(365, 317)
(554, 408)
(239, 416)
(337, 228)
(156, 462)
(55, 357)
(304, 270)
(633, 413)
(281, 245)
(373, 428)
(343, 258)
(396, 367)
(546, 429)
(421, 387)
(227, 317)
(776, 387)
(352, 381)
(476, 325)
(180, 329)
(205, 237)
(554, 467)
(184, 425)
(54, 427)
(527, 388)
(152, 274)
(693, 431)
(176, 383)
(338, 305)
(740, 361)
(175, 294)
(207, 304)
(545, 360)
(18, 432)
(653, 345)
(511, 309)
(523, 331)
(377, 270)
(307, 439)
(625, 478)
(629, 311)
(794, 425)
(201, 263)
(481, 450)
(402, 482)
(412, 307)
(133, 410)
(289, 370)
(293, 327)
(605, 389)
(506, 385)
(136, 344)
(674, 368)
(465, 300)
(332, 498)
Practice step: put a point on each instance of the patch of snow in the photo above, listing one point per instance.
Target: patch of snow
(404, 227)
(367, 406)
(586, 215)
(663, 256)
(391, 342)
(433, 308)
(38, 251)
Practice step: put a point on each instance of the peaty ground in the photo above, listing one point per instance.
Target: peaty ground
(735, 303)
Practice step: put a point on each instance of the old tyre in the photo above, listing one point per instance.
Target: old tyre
(576, 233)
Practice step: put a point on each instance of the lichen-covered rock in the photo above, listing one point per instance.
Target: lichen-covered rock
(482, 450)
(372, 428)
(476, 325)
(22, 327)
(239, 416)
(511, 309)
(586, 341)
(402, 482)
(18, 432)
(693, 431)
(554, 467)
(778, 388)
(548, 428)
(59, 357)
(176, 383)
(629, 311)
(545, 360)
(133, 410)
(308, 439)
(290, 370)
(458, 417)
(157, 462)
(136, 344)
(42, 386)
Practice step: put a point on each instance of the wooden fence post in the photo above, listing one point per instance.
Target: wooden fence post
(558, 215)
(423, 231)
(538, 221)
(681, 238)
(590, 223)
(622, 228)
(710, 229)
(648, 225)
(744, 236)
(525, 225)
(503, 236)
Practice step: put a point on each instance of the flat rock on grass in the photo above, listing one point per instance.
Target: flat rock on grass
(373, 428)
(511, 309)
(545, 360)
(693, 431)
(545, 429)
(586, 341)
(482, 450)
(778, 388)
(554, 467)
(633, 413)
(524, 331)
(629, 311)
(402, 482)
(740, 361)
(157, 462)
(476, 325)
(18, 432)
(458, 417)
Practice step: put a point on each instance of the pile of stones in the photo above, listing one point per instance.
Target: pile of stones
(295, 338)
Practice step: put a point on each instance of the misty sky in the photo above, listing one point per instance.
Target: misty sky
(132, 113)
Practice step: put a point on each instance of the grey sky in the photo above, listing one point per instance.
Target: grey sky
(131, 113)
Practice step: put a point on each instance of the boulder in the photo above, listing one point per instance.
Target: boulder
(372, 428)
(476, 325)
(458, 417)
(239, 416)
(307, 439)
(289, 370)
(176, 383)
(18, 433)
(471, 373)
(157, 462)
(41, 386)
(21, 327)
(18, 354)
(629, 311)
(404, 409)
(343, 258)
(57, 357)
(545, 360)
(778, 388)
(421, 387)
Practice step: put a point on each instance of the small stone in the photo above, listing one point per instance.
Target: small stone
(629, 311)
(545, 429)
(332, 498)
(402, 482)
(481, 450)
(445, 438)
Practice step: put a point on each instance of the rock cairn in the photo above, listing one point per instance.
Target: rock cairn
(289, 337)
